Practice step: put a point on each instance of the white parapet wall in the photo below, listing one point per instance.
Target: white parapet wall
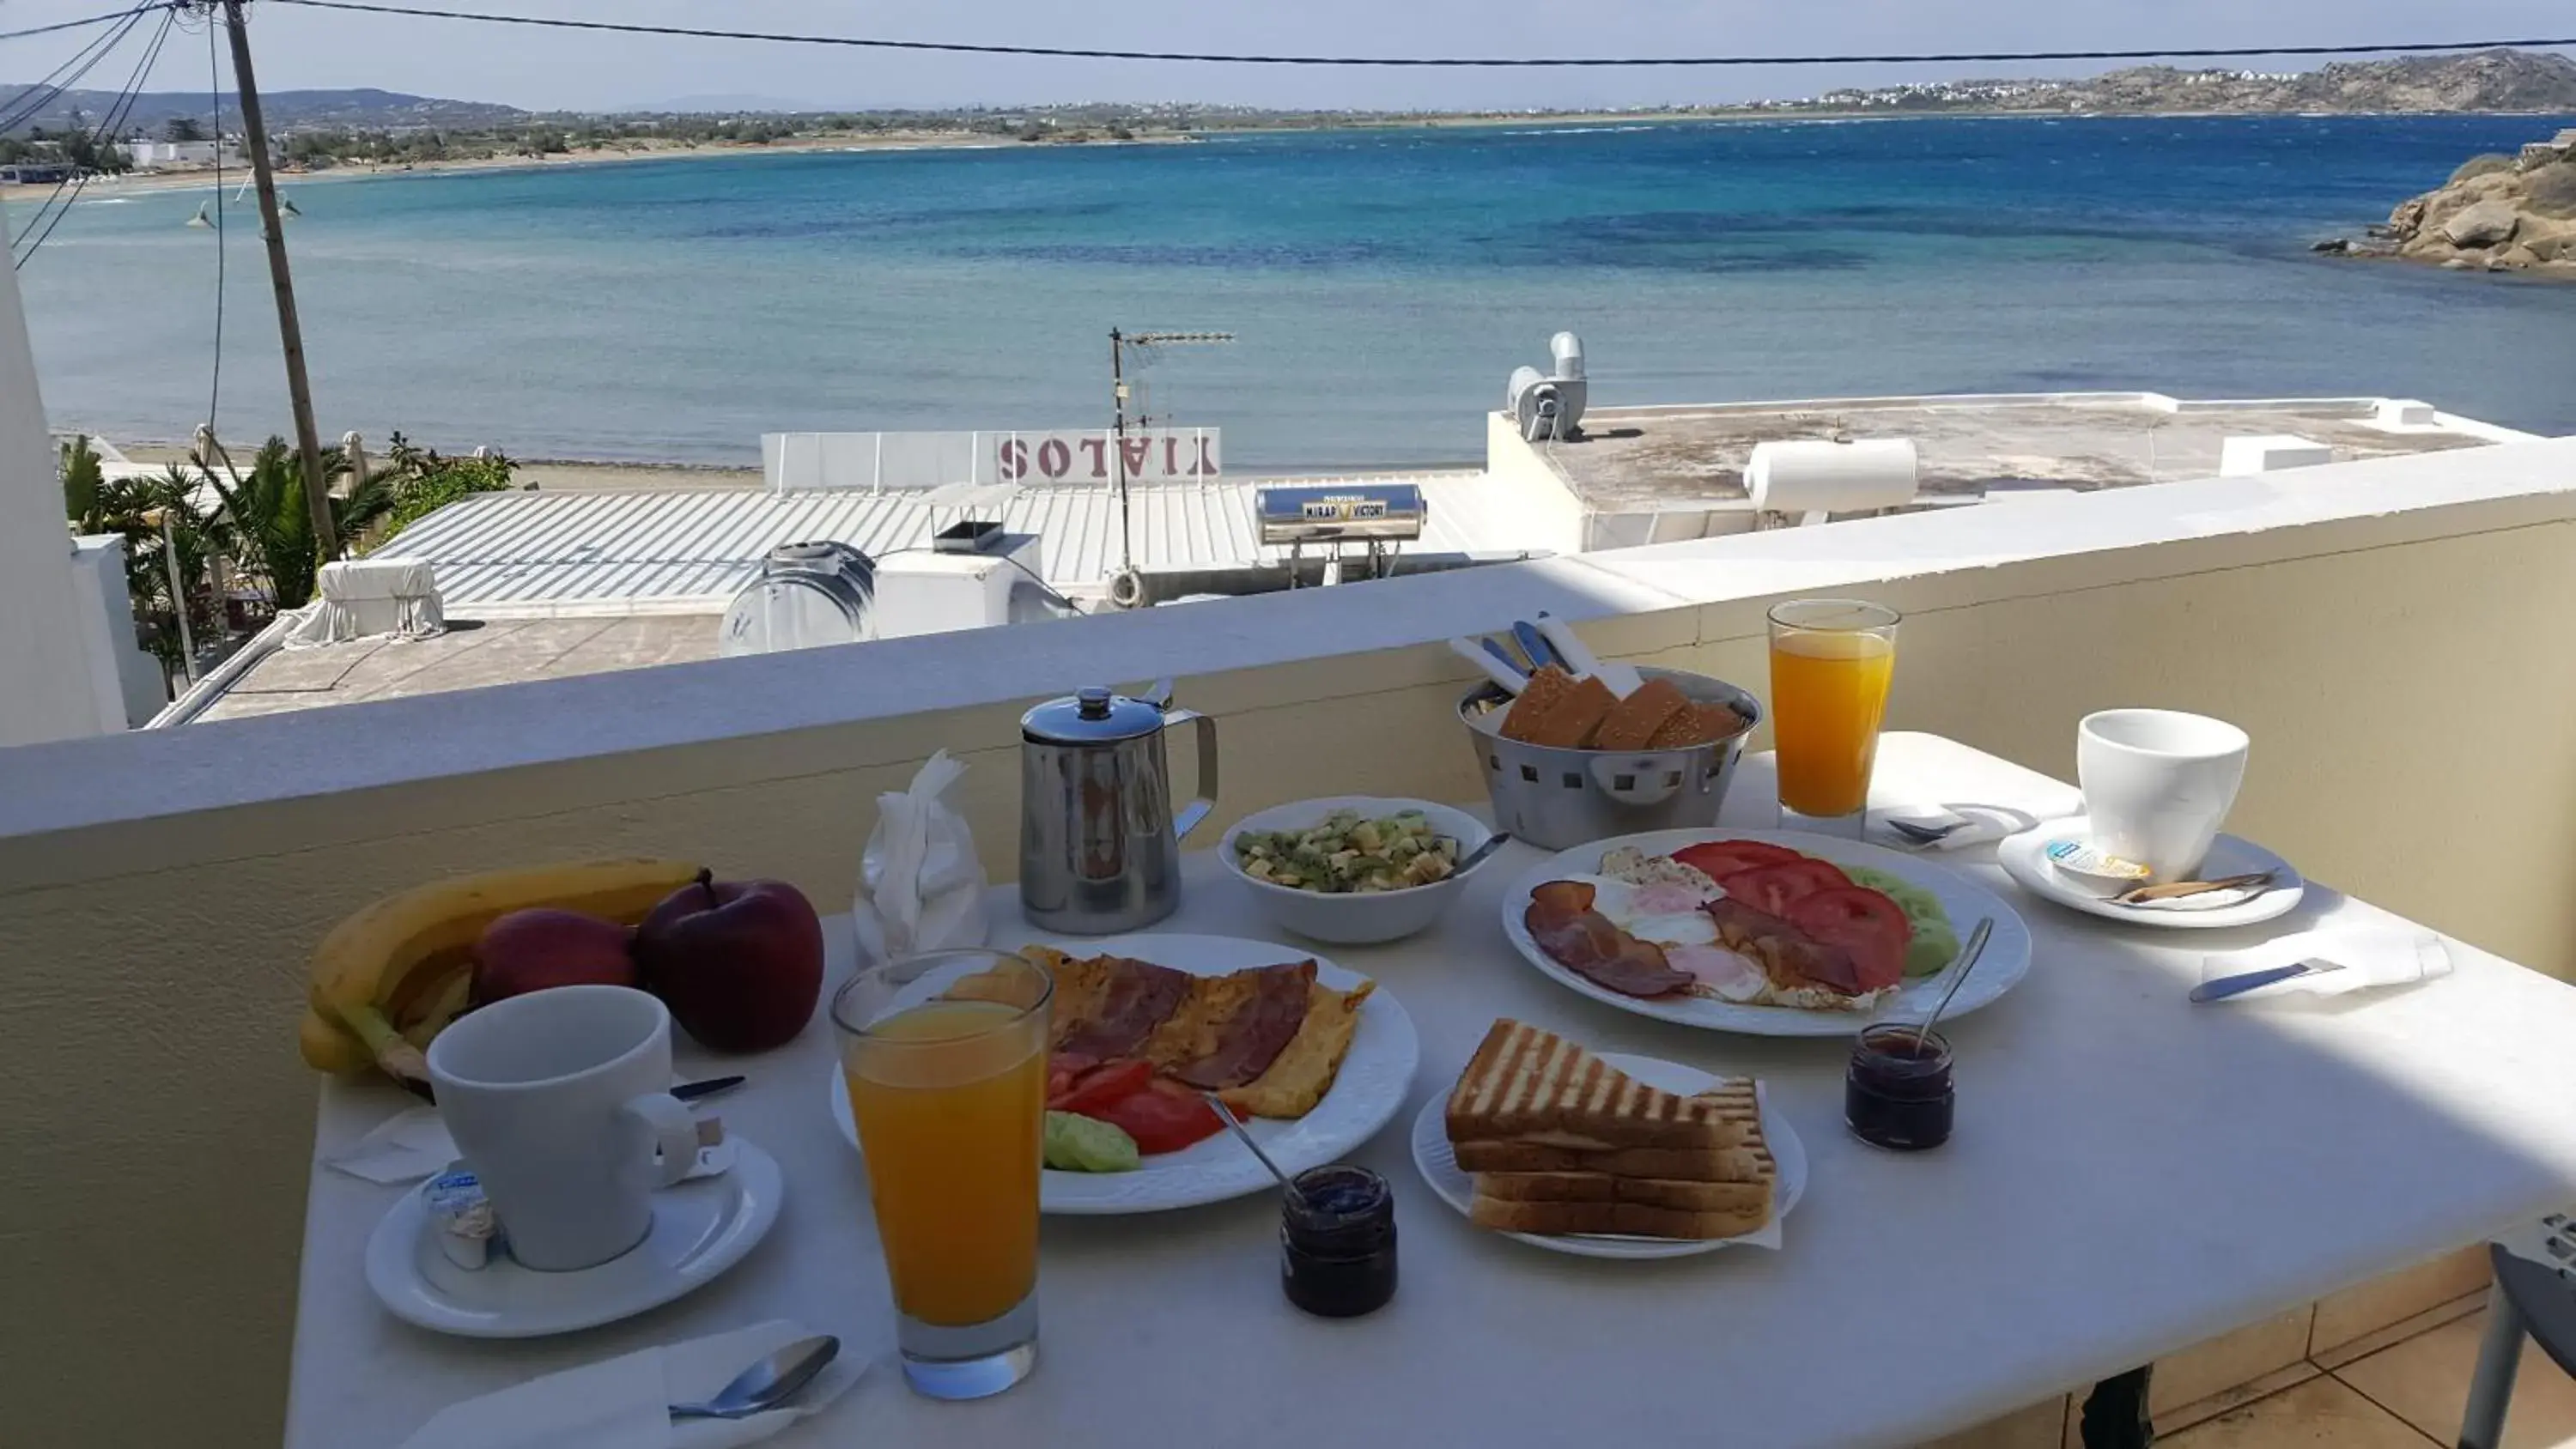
(50, 687)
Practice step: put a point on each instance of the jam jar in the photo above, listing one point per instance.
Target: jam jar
(1337, 1241)
(1898, 1091)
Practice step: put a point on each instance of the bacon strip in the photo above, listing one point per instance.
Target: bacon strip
(1258, 1032)
(1561, 919)
(1789, 955)
(1139, 997)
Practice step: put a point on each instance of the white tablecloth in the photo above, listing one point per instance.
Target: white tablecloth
(2131, 1175)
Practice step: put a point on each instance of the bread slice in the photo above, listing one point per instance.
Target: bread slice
(1558, 710)
(1725, 1164)
(1601, 1187)
(1635, 720)
(1535, 1087)
(1700, 724)
(1639, 1220)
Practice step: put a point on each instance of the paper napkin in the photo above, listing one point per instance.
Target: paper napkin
(623, 1403)
(1978, 824)
(2371, 956)
(414, 1143)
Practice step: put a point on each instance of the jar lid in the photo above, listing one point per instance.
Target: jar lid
(1091, 716)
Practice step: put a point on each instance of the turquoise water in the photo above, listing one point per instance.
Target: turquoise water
(1382, 284)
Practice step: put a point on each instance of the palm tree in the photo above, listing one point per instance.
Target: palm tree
(265, 523)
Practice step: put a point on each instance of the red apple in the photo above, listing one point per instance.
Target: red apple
(533, 949)
(740, 963)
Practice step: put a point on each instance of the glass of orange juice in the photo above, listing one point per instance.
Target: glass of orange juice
(1831, 660)
(945, 1055)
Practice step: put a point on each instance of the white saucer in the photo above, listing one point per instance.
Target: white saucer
(2024, 858)
(700, 1228)
(1437, 1161)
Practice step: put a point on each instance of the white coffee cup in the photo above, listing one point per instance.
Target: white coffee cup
(558, 1100)
(2157, 784)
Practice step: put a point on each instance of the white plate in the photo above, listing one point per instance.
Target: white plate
(1364, 1096)
(1438, 1163)
(2006, 961)
(700, 1228)
(2024, 858)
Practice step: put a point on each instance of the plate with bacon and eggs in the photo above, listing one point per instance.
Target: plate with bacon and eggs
(1767, 933)
(1313, 1057)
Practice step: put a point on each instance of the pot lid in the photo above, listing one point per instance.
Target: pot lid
(1091, 716)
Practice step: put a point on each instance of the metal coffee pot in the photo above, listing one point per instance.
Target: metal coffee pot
(1100, 850)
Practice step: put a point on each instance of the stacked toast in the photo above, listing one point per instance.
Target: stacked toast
(1579, 712)
(1560, 1141)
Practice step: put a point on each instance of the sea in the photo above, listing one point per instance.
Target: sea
(1378, 285)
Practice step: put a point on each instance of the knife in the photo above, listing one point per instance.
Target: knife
(694, 1091)
(1534, 644)
(2224, 987)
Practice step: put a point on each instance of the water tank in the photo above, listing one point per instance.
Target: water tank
(807, 595)
(1813, 476)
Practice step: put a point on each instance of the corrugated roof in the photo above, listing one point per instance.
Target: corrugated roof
(569, 552)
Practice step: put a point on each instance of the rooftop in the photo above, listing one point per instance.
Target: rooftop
(1644, 457)
(472, 653)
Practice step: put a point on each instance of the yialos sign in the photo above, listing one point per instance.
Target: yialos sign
(1151, 455)
(1021, 458)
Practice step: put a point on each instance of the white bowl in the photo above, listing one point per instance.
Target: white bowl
(1359, 918)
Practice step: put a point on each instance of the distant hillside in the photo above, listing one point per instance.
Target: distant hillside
(285, 111)
(2489, 80)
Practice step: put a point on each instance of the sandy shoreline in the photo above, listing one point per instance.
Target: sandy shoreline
(136, 183)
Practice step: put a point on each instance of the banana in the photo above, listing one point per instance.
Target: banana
(389, 977)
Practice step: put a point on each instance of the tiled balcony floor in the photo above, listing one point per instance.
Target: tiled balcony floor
(2385, 1365)
(2404, 1396)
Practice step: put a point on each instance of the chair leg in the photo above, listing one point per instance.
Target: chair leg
(2482, 1427)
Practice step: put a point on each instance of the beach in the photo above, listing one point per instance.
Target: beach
(1380, 284)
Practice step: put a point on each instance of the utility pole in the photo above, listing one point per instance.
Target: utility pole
(290, 333)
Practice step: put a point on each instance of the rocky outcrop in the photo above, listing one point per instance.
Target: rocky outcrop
(2496, 214)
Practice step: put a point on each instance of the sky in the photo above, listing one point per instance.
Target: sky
(540, 70)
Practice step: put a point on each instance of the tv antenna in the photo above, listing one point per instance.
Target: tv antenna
(1127, 584)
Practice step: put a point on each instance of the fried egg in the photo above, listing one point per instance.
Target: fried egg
(1666, 914)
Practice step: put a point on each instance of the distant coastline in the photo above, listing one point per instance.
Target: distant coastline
(141, 183)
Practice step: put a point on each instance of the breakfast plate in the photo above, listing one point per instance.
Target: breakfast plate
(1365, 1094)
(2005, 962)
(1438, 1163)
(2024, 857)
(701, 1227)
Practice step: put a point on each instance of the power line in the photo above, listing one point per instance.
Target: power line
(109, 124)
(26, 103)
(1499, 62)
(215, 93)
(101, 18)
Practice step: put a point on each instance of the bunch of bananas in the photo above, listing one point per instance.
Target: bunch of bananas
(392, 976)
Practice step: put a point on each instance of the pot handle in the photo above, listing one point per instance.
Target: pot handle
(1197, 810)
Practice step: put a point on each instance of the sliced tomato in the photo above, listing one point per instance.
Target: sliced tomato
(1103, 1085)
(1864, 922)
(1165, 1117)
(1718, 859)
(1062, 1068)
(1775, 888)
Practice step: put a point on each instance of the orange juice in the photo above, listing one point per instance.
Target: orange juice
(950, 1099)
(1828, 693)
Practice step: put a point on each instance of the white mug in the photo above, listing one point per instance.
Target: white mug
(558, 1100)
(2157, 784)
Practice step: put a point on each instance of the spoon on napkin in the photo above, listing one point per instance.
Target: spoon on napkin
(768, 1383)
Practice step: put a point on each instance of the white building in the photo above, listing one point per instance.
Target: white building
(160, 155)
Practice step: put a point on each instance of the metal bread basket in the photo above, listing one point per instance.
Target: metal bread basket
(1557, 799)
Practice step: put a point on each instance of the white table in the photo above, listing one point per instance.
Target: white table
(2131, 1175)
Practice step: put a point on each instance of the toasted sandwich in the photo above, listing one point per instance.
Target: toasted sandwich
(1535, 1088)
(1559, 1141)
